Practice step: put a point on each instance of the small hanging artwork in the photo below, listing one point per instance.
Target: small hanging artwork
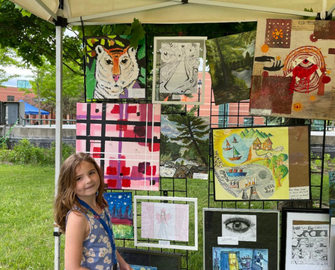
(176, 65)
(165, 222)
(124, 139)
(293, 72)
(261, 163)
(142, 267)
(230, 60)
(114, 69)
(121, 210)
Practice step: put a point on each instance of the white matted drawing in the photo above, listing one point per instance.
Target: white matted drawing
(240, 227)
(176, 66)
(164, 222)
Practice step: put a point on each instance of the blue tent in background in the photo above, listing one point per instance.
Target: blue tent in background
(30, 109)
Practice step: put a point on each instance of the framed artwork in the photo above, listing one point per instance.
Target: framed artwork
(261, 163)
(164, 222)
(184, 146)
(142, 267)
(124, 139)
(161, 260)
(293, 69)
(230, 60)
(176, 65)
(241, 239)
(332, 243)
(121, 210)
(331, 175)
(305, 239)
(114, 69)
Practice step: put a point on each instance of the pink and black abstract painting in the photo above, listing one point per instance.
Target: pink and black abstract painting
(124, 139)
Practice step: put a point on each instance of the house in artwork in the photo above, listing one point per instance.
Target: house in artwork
(256, 145)
(267, 144)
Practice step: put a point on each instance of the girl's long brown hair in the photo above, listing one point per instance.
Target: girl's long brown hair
(66, 198)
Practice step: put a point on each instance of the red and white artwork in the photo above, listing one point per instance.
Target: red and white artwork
(293, 73)
(125, 141)
(165, 221)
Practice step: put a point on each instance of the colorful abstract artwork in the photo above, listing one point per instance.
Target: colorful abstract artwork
(230, 60)
(114, 69)
(261, 163)
(165, 221)
(240, 258)
(184, 146)
(176, 65)
(121, 210)
(142, 267)
(125, 141)
(293, 72)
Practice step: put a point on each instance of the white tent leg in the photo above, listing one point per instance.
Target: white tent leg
(59, 117)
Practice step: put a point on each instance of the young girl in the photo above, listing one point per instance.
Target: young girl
(82, 215)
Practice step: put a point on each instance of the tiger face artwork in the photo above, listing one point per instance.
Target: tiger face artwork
(116, 71)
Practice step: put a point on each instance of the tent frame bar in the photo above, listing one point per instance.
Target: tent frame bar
(48, 10)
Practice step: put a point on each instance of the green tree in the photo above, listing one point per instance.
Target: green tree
(193, 131)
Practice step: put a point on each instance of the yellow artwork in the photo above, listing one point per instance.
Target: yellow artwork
(254, 163)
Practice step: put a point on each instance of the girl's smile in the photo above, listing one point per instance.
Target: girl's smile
(87, 180)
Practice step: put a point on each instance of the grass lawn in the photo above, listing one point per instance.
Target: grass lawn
(26, 215)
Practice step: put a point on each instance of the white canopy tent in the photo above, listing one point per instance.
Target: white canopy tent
(93, 12)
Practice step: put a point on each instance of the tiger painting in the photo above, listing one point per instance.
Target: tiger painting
(116, 71)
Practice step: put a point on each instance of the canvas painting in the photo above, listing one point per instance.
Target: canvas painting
(165, 221)
(184, 146)
(142, 267)
(230, 60)
(261, 163)
(124, 139)
(114, 69)
(293, 72)
(240, 258)
(331, 175)
(121, 210)
(176, 66)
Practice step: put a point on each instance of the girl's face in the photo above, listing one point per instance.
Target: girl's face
(87, 180)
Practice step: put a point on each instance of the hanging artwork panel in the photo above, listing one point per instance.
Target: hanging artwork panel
(293, 72)
(164, 222)
(142, 267)
(241, 239)
(230, 60)
(115, 69)
(175, 71)
(121, 210)
(331, 175)
(305, 239)
(124, 139)
(184, 152)
(261, 163)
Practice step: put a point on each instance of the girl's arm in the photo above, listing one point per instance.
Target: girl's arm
(122, 262)
(77, 229)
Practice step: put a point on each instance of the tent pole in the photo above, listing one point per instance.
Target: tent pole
(58, 154)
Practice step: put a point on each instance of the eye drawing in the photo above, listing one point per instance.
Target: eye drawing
(238, 225)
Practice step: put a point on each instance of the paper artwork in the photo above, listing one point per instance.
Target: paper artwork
(165, 221)
(331, 175)
(114, 69)
(261, 163)
(293, 74)
(184, 146)
(230, 60)
(121, 210)
(240, 227)
(240, 258)
(142, 267)
(124, 139)
(310, 243)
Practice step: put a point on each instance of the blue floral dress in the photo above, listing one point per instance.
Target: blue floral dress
(97, 248)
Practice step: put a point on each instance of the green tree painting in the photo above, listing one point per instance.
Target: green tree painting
(230, 60)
